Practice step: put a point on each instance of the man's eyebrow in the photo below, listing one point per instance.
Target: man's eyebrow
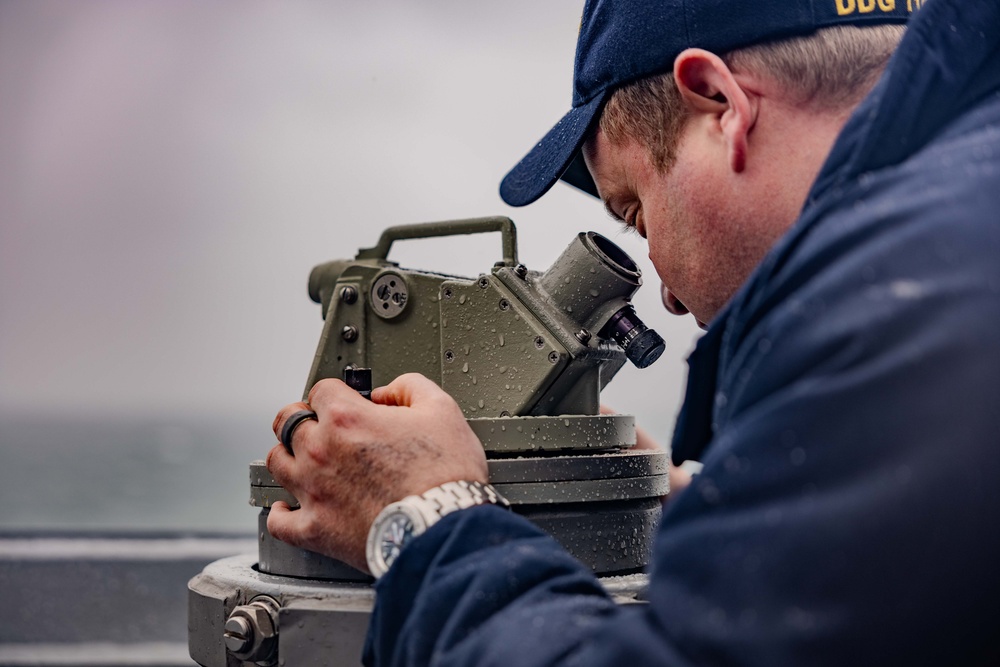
(611, 212)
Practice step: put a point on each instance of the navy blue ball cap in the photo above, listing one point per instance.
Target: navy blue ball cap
(548, 160)
(625, 40)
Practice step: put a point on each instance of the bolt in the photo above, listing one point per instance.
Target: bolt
(521, 270)
(349, 333)
(348, 294)
(484, 282)
(504, 304)
(238, 635)
(539, 342)
(449, 356)
(583, 336)
(251, 631)
(553, 356)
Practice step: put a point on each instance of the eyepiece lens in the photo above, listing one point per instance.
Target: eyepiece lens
(642, 345)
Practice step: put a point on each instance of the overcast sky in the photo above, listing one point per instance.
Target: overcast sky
(170, 172)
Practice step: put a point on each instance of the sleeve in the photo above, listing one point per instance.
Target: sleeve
(486, 587)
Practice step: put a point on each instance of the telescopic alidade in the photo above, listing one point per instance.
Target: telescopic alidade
(525, 354)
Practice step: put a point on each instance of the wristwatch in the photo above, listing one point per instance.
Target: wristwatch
(397, 524)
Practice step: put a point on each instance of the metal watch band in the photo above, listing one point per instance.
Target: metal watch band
(420, 513)
(452, 496)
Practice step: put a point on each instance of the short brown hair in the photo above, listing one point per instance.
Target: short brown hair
(828, 70)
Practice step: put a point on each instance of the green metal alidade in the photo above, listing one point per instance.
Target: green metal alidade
(512, 342)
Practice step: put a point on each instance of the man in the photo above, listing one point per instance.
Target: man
(845, 399)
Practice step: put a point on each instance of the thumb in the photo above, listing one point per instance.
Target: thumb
(409, 390)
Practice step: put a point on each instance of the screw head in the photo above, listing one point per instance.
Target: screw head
(349, 333)
(348, 294)
(449, 356)
(238, 634)
(504, 304)
(447, 293)
(484, 282)
(521, 270)
(539, 342)
(553, 356)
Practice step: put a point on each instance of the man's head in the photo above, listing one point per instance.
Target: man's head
(712, 162)
(709, 157)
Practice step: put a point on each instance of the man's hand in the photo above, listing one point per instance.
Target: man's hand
(359, 456)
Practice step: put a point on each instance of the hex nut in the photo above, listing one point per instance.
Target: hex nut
(261, 617)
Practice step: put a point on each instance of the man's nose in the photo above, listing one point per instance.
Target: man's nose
(671, 302)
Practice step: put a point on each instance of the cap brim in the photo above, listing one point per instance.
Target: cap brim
(549, 159)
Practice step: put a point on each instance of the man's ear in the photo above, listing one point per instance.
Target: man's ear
(708, 87)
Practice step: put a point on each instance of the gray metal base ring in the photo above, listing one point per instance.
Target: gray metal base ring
(639, 474)
(585, 491)
(282, 559)
(601, 465)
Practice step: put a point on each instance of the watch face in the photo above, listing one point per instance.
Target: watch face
(392, 530)
(396, 531)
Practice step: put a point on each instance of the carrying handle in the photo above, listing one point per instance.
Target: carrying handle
(425, 230)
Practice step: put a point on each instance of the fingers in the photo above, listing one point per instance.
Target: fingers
(288, 525)
(326, 394)
(643, 440)
(283, 415)
(292, 424)
(408, 391)
(680, 479)
(281, 465)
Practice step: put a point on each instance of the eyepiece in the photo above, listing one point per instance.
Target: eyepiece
(613, 256)
(642, 345)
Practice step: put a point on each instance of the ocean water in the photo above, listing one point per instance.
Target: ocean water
(129, 474)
